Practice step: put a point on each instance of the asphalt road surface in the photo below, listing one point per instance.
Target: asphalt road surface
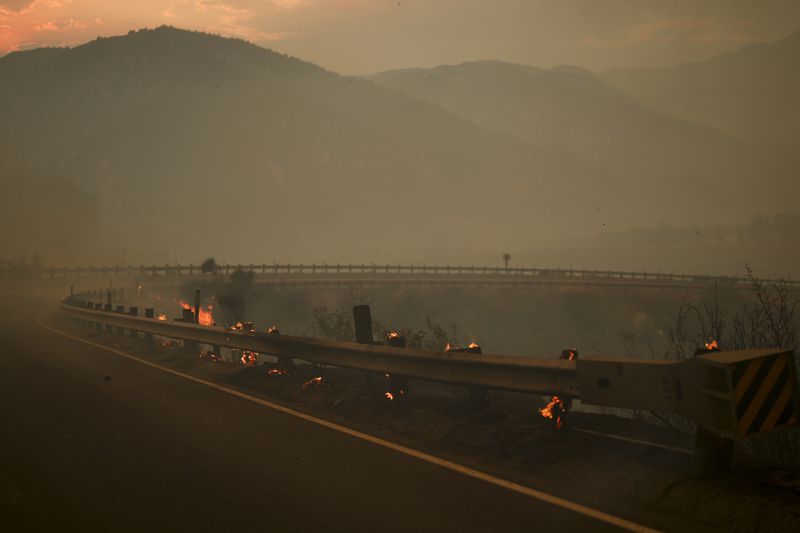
(147, 450)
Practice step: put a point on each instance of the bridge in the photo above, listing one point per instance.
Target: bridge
(372, 275)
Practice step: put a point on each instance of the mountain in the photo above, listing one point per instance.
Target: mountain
(185, 144)
(752, 93)
(656, 157)
(196, 144)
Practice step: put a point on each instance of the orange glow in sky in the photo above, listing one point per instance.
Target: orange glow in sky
(365, 36)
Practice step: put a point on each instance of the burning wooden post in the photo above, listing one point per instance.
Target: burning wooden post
(285, 364)
(398, 385)
(557, 408)
(478, 396)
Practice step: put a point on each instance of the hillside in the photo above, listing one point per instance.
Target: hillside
(212, 145)
(649, 152)
(752, 93)
(187, 144)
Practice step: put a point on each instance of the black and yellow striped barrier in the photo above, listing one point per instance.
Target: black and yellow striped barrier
(731, 394)
(764, 393)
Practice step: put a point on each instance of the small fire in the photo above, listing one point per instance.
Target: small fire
(249, 358)
(547, 410)
(213, 356)
(206, 316)
(162, 316)
(313, 383)
(448, 347)
(711, 346)
(393, 335)
(237, 327)
(276, 372)
(389, 396)
(273, 330)
(473, 345)
(571, 355)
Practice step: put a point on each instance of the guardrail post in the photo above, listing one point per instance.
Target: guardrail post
(398, 385)
(134, 311)
(149, 312)
(107, 308)
(197, 306)
(362, 324)
(120, 310)
(97, 325)
(188, 315)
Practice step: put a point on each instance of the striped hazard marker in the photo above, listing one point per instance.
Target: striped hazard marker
(763, 392)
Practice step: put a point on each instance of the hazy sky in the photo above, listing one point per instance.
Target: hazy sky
(365, 36)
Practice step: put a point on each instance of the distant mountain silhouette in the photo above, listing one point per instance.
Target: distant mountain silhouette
(752, 93)
(193, 144)
(657, 156)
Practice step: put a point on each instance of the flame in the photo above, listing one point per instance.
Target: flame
(249, 358)
(162, 316)
(389, 396)
(448, 347)
(313, 382)
(237, 327)
(276, 372)
(547, 410)
(713, 345)
(571, 355)
(206, 316)
(473, 345)
(393, 335)
(273, 330)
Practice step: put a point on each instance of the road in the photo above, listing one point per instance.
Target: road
(147, 450)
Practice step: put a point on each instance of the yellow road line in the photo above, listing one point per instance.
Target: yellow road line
(455, 467)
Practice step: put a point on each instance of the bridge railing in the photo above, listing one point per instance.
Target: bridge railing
(387, 270)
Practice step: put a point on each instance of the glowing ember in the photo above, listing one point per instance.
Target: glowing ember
(206, 317)
(389, 396)
(162, 316)
(393, 335)
(249, 358)
(313, 383)
(711, 346)
(276, 372)
(273, 330)
(557, 405)
(212, 356)
(473, 345)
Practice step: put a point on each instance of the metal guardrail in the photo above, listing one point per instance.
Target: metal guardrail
(415, 274)
(501, 372)
(733, 394)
